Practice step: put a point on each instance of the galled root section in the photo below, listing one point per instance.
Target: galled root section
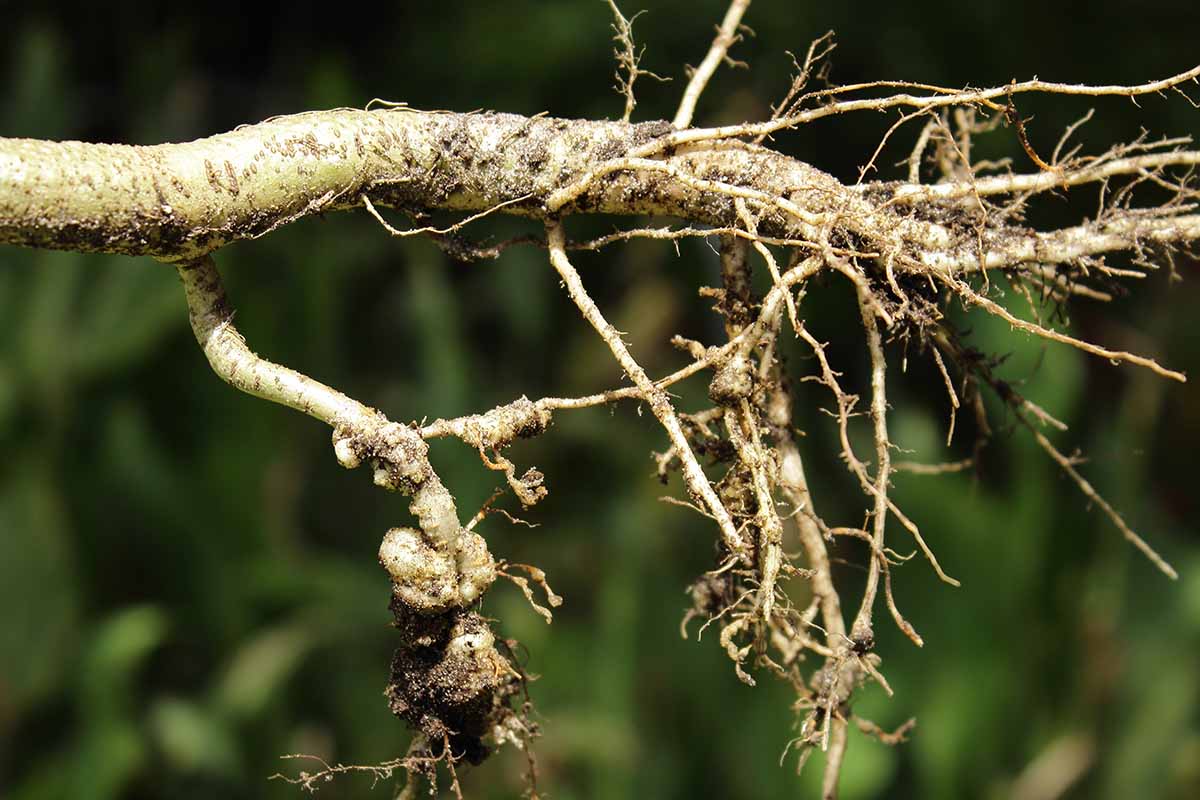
(449, 680)
(451, 684)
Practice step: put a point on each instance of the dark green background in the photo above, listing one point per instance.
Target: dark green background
(188, 585)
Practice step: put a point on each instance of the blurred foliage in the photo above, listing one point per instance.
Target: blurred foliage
(188, 586)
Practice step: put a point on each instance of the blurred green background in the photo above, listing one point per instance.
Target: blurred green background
(188, 585)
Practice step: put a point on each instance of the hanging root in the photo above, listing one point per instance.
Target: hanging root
(449, 681)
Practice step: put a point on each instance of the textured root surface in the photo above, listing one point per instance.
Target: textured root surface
(449, 682)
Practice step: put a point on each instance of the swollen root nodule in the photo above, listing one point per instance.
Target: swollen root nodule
(449, 682)
(430, 580)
